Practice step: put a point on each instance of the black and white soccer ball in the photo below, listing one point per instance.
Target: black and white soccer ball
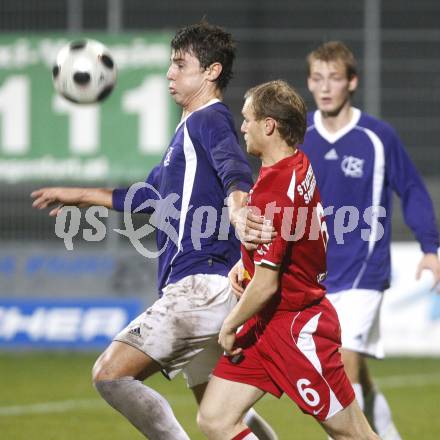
(84, 72)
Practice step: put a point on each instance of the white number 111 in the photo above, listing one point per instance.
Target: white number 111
(149, 101)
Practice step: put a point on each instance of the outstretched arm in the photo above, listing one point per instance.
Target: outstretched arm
(85, 197)
(61, 196)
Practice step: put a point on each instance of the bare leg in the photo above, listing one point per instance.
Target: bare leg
(224, 406)
(354, 364)
(370, 400)
(252, 419)
(349, 424)
(118, 375)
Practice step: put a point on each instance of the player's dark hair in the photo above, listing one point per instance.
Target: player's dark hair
(334, 51)
(279, 101)
(209, 44)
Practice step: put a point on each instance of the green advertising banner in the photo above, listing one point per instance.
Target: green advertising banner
(45, 137)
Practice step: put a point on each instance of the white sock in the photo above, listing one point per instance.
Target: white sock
(143, 407)
(259, 426)
(357, 387)
(381, 417)
(251, 436)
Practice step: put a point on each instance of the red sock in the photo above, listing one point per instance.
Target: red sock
(246, 434)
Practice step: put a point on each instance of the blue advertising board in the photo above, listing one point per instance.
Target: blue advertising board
(48, 323)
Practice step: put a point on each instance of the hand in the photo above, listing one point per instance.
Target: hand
(236, 277)
(46, 197)
(430, 262)
(226, 339)
(252, 230)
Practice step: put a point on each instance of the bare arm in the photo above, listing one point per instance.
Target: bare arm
(236, 278)
(81, 197)
(259, 291)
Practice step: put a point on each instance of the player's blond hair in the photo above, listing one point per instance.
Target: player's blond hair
(279, 101)
(334, 51)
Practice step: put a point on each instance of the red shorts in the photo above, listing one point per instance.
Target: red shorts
(296, 353)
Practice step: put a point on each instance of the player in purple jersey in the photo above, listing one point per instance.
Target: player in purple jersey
(202, 166)
(359, 162)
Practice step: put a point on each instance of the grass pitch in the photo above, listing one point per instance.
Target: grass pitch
(49, 396)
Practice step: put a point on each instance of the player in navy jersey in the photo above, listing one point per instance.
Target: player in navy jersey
(290, 339)
(185, 195)
(359, 162)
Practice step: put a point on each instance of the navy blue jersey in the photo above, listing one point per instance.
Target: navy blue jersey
(203, 164)
(357, 170)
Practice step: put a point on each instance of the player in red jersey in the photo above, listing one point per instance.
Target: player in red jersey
(291, 336)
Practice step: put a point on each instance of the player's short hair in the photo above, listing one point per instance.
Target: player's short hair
(334, 51)
(209, 44)
(281, 102)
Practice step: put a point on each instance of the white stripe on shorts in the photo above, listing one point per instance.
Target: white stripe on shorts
(307, 346)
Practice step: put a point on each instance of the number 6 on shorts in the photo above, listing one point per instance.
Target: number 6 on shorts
(309, 395)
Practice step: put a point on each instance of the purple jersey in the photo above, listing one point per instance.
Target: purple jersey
(357, 169)
(203, 164)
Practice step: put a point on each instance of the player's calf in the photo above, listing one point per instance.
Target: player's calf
(349, 424)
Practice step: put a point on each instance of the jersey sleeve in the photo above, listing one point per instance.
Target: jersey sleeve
(417, 206)
(142, 194)
(218, 138)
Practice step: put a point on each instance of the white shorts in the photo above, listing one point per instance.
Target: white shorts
(359, 314)
(180, 330)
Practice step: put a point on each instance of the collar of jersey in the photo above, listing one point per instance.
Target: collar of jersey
(281, 164)
(212, 101)
(333, 137)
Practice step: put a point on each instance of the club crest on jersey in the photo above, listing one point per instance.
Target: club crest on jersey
(352, 166)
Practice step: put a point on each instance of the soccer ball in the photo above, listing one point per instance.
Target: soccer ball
(84, 72)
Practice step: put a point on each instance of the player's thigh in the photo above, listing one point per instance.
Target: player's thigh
(350, 423)
(227, 402)
(122, 360)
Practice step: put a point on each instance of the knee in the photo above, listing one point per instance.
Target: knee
(102, 370)
(210, 424)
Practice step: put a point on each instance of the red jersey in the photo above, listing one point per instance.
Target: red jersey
(286, 193)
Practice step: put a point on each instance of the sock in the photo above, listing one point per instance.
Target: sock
(259, 426)
(245, 435)
(357, 387)
(380, 416)
(146, 409)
